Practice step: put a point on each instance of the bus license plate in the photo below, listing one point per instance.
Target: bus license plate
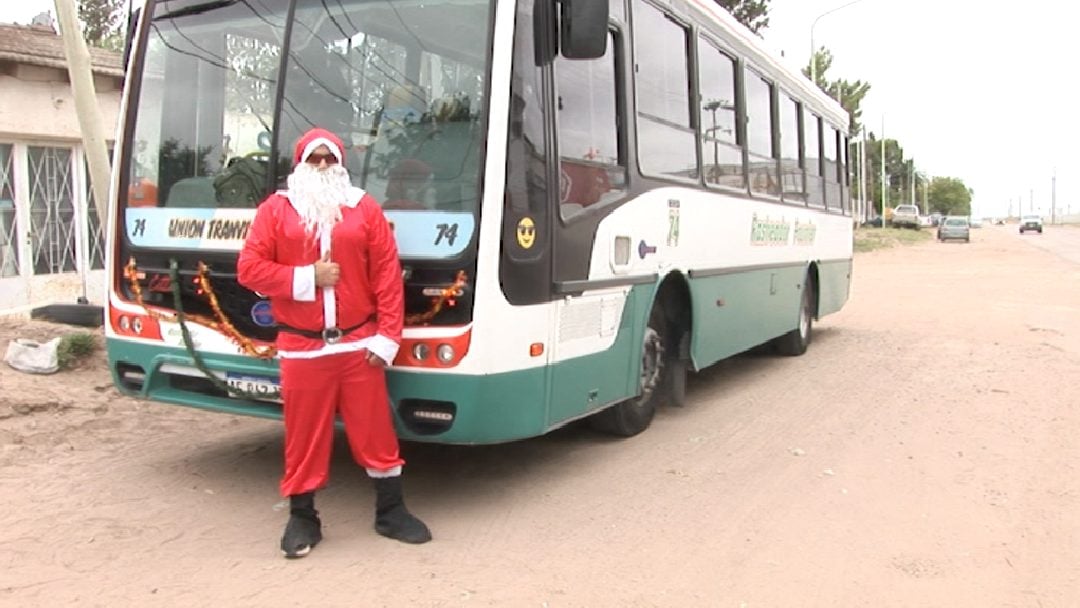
(262, 387)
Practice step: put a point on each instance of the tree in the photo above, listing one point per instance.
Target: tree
(821, 61)
(949, 196)
(754, 14)
(102, 26)
(848, 94)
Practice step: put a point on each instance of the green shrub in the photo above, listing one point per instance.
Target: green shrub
(73, 348)
(869, 239)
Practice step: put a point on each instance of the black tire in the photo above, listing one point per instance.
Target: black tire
(795, 342)
(676, 381)
(634, 415)
(83, 315)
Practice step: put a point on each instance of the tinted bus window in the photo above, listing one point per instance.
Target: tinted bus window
(759, 131)
(667, 144)
(721, 148)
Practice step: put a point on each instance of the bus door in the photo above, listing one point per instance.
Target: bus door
(587, 371)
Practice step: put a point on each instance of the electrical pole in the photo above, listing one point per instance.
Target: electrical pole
(1053, 197)
(926, 206)
(862, 178)
(912, 183)
(813, 63)
(884, 188)
(86, 104)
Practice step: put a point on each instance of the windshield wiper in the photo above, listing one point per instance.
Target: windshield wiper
(196, 9)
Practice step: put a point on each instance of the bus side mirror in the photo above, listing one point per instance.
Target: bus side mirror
(583, 28)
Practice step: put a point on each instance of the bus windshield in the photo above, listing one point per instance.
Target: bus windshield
(218, 112)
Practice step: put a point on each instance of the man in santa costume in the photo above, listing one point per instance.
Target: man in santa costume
(324, 254)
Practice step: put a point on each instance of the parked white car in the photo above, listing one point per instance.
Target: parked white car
(906, 216)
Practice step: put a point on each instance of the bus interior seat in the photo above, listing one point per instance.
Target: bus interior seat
(408, 185)
(192, 192)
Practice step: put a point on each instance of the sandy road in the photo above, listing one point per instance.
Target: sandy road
(924, 452)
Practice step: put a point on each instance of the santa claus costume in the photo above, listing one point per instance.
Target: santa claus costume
(325, 256)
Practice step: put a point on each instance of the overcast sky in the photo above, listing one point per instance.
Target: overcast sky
(973, 89)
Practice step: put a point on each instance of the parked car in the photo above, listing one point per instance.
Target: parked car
(954, 227)
(906, 216)
(1030, 222)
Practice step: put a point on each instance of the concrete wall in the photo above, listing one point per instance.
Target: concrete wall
(37, 103)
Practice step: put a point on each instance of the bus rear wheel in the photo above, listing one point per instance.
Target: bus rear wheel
(633, 416)
(795, 342)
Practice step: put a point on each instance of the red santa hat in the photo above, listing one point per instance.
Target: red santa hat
(313, 139)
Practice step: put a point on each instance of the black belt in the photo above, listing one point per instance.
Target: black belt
(330, 335)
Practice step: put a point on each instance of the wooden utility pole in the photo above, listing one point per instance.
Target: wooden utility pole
(86, 105)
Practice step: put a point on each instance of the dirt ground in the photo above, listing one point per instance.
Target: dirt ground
(924, 452)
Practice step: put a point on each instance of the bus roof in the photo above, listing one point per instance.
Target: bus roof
(750, 47)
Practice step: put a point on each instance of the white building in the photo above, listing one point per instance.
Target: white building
(51, 247)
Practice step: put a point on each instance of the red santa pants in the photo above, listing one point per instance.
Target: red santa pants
(313, 391)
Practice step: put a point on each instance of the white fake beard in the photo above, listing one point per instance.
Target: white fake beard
(319, 195)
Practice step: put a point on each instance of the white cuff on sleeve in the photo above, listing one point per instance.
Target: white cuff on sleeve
(384, 347)
(303, 283)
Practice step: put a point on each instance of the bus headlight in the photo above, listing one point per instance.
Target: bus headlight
(445, 353)
(136, 325)
(420, 351)
(125, 323)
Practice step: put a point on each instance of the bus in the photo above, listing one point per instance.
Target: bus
(590, 200)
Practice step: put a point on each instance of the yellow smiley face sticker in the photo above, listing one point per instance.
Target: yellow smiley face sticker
(526, 233)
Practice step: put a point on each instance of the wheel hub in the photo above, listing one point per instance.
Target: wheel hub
(651, 362)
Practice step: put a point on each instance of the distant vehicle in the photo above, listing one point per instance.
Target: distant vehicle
(924, 220)
(906, 216)
(935, 219)
(956, 228)
(1030, 222)
(975, 222)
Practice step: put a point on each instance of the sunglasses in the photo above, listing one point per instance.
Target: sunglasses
(316, 159)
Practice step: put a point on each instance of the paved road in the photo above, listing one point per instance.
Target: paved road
(1062, 240)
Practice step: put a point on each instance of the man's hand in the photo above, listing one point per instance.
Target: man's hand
(375, 360)
(327, 273)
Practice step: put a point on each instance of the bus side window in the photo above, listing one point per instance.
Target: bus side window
(832, 169)
(721, 148)
(591, 170)
(759, 129)
(791, 161)
(667, 137)
(812, 162)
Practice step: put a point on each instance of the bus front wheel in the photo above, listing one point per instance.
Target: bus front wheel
(633, 416)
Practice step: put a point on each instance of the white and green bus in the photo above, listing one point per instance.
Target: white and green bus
(590, 199)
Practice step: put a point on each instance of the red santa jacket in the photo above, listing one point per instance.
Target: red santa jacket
(361, 243)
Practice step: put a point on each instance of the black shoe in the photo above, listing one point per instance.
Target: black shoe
(392, 519)
(304, 529)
